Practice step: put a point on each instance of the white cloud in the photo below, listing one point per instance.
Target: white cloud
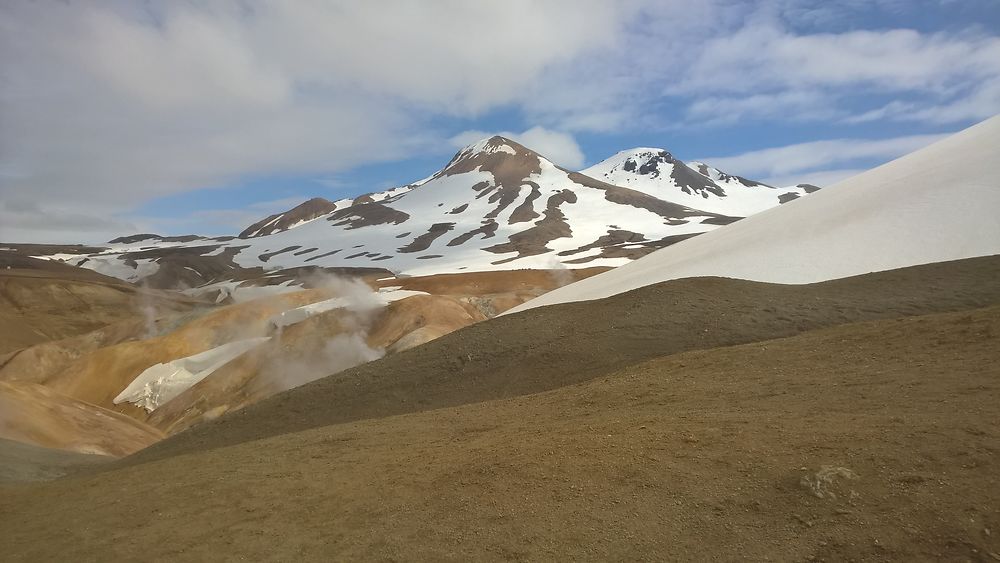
(721, 62)
(107, 105)
(560, 148)
(192, 60)
(763, 70)
(799, 104)
(817, 157)
(620, 87)
(21, 222)
(981, 102)
(276, 205)
(225, 221)
(764, 56)
(890, 110)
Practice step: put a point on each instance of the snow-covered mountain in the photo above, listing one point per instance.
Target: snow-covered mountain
(495, 205)
(315, 208)
(656, 172)
(937, 204)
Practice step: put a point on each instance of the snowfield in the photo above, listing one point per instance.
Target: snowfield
(695, 184)
(380, 298)
(160, 383)
(937, 204)
(497, 205)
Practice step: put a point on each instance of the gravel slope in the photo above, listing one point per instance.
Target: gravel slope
(552, 347)
(864, 442)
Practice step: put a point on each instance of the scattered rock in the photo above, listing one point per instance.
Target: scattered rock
(821, 483)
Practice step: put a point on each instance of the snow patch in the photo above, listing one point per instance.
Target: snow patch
(160, 383)
(381, 298)
(240, 292)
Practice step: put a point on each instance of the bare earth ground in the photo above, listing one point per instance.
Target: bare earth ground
(95, 366)
(873, 441)
(42, 301)
(37, 415)
(21, 463)
(260, 373)
(665, 423)
(551, 347)
(89, 335)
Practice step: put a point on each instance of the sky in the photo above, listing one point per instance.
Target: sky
(187, 116)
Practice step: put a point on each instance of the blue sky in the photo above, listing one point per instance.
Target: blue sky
(179, 117)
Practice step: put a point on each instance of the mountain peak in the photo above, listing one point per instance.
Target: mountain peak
(648, 151)
(493, 145)
(498, 155)
(641, 161)
(655, 171)
(315, 201)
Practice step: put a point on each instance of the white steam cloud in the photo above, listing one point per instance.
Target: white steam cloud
(356, 306)
(341, 352)
(559, 272)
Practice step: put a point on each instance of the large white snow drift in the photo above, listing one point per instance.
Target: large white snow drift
(937, 204)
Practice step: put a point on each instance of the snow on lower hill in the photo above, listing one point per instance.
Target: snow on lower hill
(937, 204)
(380, 298)
(161, 382)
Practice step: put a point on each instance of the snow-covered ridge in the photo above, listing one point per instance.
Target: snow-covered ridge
(495, 205)
(490, 145)
(698, 185)
(937, 204)
(314, 209)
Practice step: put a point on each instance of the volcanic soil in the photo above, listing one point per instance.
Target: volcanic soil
(20, 462)
(699, 419)
(873, 441)
(573, 342)
(42, 300)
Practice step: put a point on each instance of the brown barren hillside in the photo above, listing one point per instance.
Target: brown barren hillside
(39, 362)
(21, 463)
(96, 366)
(100, 375)
(33, 414)
(863, 442)
(299, 354)
(551, 347)
(41, 300)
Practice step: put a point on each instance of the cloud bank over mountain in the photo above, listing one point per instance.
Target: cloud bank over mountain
(172, 97)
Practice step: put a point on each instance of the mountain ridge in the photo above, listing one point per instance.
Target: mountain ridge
(496, 205)
(695, 184)
(704, 178)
